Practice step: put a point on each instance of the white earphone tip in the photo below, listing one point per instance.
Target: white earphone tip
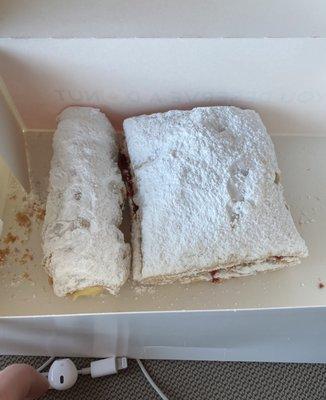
(63, 374)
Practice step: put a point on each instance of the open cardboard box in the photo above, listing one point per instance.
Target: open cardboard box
(276, 316)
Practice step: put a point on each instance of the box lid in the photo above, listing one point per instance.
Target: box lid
(163, 18)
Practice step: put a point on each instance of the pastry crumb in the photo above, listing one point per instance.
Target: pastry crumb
(26, 276)
(10, 238)
(23, 220)
(37, 211)
(4, 253)
(26, 257)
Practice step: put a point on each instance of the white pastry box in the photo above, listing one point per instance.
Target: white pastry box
(129, 59)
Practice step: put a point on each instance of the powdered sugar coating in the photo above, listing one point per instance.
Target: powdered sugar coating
(209, 195)
(82, 243)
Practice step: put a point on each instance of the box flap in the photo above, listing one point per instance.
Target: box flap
(282, 79)
(12, 143)
(163, 18)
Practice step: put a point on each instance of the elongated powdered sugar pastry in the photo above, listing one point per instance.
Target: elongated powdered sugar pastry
(83, 246)
(208, 200)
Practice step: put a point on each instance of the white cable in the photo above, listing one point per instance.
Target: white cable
(103, 367)
(150, 381)
(84, 371)
(43, 366)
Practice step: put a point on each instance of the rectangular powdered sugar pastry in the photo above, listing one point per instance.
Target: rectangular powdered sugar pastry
(210, 202)
(83, 245)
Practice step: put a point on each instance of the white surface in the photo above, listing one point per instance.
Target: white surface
(207, 196)
(282, 79)
(82, 242)
(162, 18)
(303, 163)
(291, 335)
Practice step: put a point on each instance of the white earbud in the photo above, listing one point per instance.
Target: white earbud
(63, 374)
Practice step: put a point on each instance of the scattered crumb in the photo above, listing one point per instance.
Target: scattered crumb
(302, 284)
(321, 285)
(26, 276)
(10, 238)
(37, 211)
(13, 197)
(27, 256)
(4, 254)
(23, 220)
